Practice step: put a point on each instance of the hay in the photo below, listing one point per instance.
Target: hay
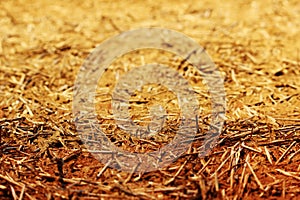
(254, 44)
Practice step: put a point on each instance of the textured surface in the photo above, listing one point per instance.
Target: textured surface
(255, 45)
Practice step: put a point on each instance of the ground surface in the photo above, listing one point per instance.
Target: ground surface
(255, 44)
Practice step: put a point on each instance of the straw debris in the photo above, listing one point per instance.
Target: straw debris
(255, 45)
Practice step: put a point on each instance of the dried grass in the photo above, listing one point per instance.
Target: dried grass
(255, 45)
